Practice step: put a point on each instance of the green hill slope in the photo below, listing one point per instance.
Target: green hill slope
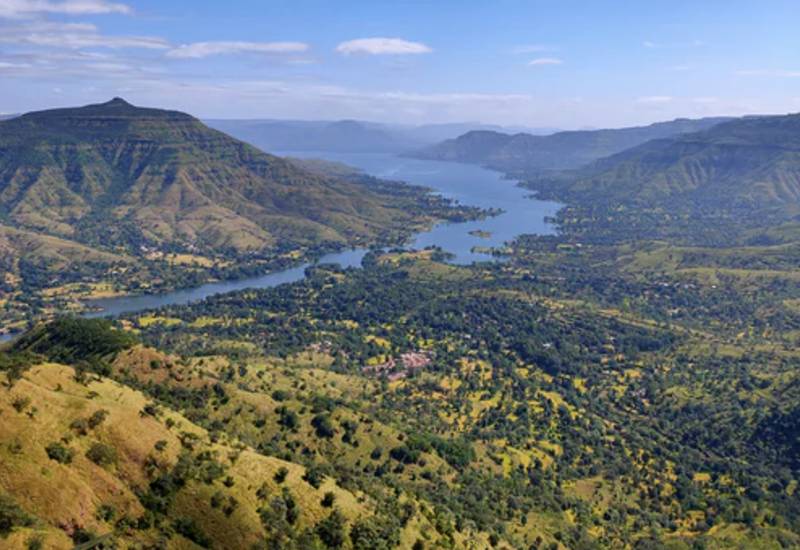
(137, 198)
(163, 179)
(559, 151)
(751, 162)
(87, 457)
(735, 183)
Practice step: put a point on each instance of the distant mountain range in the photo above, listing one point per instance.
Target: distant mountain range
(346, 136)
(523, 152)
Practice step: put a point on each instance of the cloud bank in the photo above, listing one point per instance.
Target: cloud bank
(28, 8)
(199, 50)
(382, 46)
(544, 61)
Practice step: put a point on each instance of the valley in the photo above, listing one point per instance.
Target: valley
(599, 357)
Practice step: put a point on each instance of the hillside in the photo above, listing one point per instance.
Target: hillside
(737, 180)
(90, 458)
(166, 180)
(153, 198)
(558, 151)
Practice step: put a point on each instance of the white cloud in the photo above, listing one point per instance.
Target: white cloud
(28, 8)
(382, 46)
(779, 73)
(657, 45)
(199, 50)
(74, 36)
(9, 65)
(541, 61)
(655, 99)
(532, 48)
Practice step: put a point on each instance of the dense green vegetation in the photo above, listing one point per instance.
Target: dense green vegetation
(551, 390)
(733, 184)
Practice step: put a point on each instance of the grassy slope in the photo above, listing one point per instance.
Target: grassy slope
(68, 496)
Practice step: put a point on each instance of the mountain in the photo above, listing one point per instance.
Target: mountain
(433, 133)
(345, 136)
(749, 163)
(736, 183)
(164, 179)
(559, 151)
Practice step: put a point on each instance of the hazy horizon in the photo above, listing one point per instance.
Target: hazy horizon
(507, 63)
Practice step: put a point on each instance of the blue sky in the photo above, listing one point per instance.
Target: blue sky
(565, 63)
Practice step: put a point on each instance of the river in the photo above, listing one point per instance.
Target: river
(468, 184)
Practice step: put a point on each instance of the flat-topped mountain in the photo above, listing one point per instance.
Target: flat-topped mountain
(163, 178)
(559, 151)
(114, 198)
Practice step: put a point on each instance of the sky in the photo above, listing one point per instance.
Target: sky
(537, 63)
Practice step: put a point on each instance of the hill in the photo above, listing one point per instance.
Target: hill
(558, 151)
(737, 180)
(166, 180)
(88, 457)
(571, 397)
(156, 198)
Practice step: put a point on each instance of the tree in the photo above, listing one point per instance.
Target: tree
(102, 454)
(323, 426)
(280, 475)
(58, 452)
(331, 530)
(11, 515)
(375, 533)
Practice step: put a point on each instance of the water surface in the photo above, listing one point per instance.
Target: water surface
(468, 184)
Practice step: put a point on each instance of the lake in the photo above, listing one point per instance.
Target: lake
(470, 185)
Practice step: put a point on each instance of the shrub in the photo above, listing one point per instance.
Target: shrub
(101, 454)
(280, 475)
(328, 499)
(323, 426)
(189, 529)
(58, 452)
(97, 418)
(331, 530)
(314, 476)
(12, 516)
(80, 426)
(20, 403)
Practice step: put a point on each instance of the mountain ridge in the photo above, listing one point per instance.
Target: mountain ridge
(562, 150)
